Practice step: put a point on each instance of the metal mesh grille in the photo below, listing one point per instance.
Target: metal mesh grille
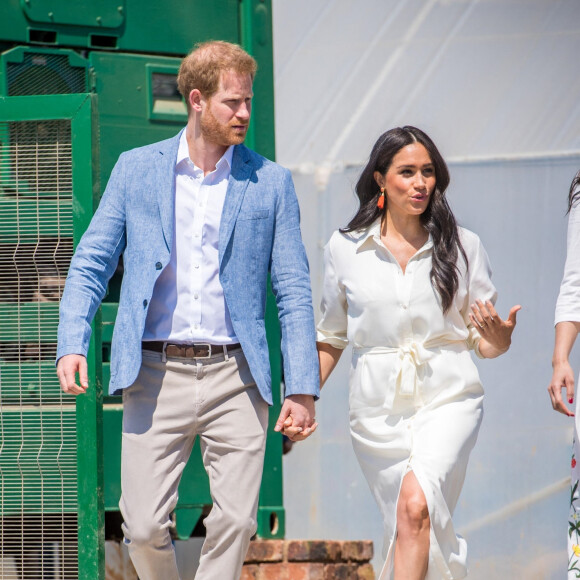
(38, 478)
(44, 74)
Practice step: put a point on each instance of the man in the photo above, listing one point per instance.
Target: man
(200, 220)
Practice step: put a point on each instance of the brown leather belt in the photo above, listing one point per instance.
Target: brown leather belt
(201, 350)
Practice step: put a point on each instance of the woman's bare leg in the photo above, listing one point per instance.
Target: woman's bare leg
(413, 528)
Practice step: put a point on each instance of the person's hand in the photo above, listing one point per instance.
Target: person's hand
(297, 433)
(67, 368)
(562, 378)
(296, 419)
(496, 334)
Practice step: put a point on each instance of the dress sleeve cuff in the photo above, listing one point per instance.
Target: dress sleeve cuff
(331, 339)
(473, 341)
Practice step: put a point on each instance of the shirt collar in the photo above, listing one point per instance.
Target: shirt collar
(372, 233)
(368, 234)
(183, 155)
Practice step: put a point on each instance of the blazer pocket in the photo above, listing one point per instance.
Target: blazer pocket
(254, 215)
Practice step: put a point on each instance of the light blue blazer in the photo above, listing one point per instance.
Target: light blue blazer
(259, 234)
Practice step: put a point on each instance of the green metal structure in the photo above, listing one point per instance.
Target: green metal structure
(79, 84)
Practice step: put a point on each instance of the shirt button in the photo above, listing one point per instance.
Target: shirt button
(404, 306)
(158, 266)
(196, 266)
(145, 303)
(196, 295)
(196, 327)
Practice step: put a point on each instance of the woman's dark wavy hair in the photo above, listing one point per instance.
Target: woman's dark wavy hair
(574, 193)
(438, 219)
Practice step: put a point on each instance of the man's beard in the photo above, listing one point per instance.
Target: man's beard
(215, 132)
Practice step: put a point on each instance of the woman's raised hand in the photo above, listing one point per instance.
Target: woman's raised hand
(496, 333)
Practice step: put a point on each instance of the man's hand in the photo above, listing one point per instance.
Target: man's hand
(296, 419)
(67, 368)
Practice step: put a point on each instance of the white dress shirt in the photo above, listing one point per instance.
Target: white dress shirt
(568, 305)
(188, 304)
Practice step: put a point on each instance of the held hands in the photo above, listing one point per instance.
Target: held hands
(296, 419)
(67, 368)
(562, 378)
(496, 334)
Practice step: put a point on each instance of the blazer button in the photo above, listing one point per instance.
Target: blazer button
(158, 266)
(144, 303)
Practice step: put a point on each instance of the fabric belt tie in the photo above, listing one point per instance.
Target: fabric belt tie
(410, 358)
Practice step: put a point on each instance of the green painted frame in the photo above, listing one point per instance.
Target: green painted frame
(256, 39)
(78, 109)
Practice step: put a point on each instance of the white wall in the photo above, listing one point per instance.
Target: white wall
(496, 85)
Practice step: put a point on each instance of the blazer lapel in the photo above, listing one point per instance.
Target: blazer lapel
(239, 177)
(166, 158)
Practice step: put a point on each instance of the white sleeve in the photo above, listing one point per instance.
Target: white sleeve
(332, 327)
(480, 287)
(568, 304)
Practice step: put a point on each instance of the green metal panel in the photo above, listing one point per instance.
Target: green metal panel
(42, 71)
(149, 26)
(32, 322)
(256, 38)
(102, 14)
(20, 217)
(40, 472)
(27, 383)
(91, 537)
(124, 84)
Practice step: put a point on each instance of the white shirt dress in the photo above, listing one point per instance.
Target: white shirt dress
(416, 400)
(568, 310)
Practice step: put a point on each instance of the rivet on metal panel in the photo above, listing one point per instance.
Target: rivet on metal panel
(99, 20)
(120, 9)
(51, 15)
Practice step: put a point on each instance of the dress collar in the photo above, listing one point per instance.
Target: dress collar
(372, 234)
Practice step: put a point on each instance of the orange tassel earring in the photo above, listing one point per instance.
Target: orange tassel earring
(381, 200)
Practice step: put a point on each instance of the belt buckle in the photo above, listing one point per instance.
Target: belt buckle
(208, 355)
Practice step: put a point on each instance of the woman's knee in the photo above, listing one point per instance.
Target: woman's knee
(413, 512)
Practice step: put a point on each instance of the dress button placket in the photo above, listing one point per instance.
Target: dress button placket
(404, 297)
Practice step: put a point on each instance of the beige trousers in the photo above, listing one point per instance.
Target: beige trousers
(170, 404)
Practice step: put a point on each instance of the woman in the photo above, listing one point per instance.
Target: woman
(567, 328)
(412, 292)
